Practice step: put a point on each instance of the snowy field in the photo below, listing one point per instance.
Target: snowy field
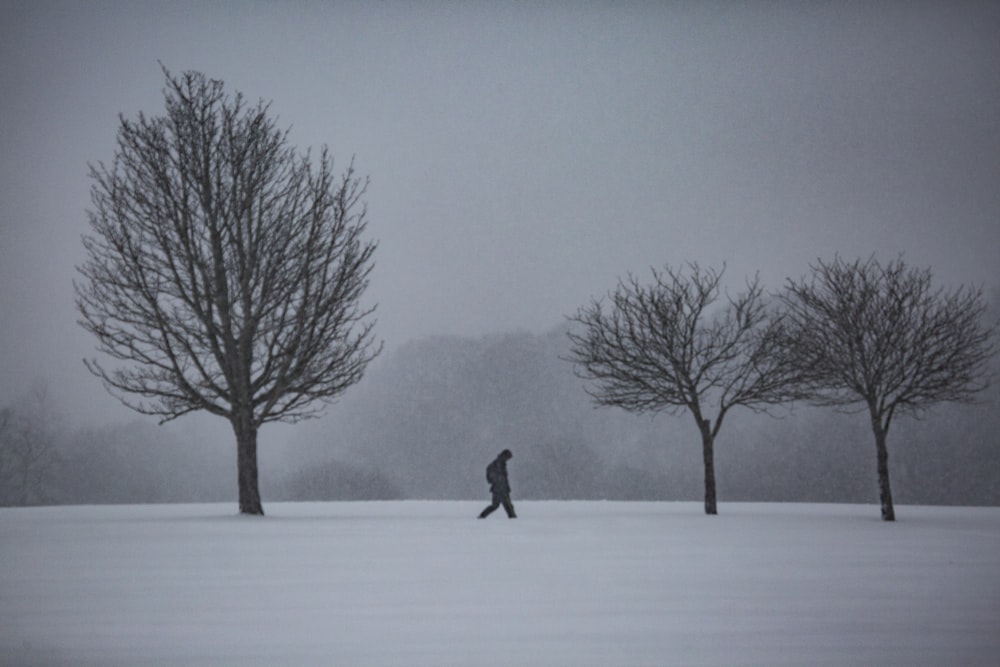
(568, 583)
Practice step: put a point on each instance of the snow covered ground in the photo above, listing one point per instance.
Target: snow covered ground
(568, 583)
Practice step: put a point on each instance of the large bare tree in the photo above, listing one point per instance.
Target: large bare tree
(662, 347)
(883, 339)
(224, 269)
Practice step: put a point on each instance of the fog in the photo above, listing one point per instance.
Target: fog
(429, 416)
(522, 158)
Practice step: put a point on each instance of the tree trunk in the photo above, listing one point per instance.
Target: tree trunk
(884, 489)
(707, 445)
(246, 464)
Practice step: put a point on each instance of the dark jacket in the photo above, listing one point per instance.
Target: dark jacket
(496, 475)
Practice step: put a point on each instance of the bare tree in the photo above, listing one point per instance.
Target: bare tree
(882, 338)
(28, 443)
(8, 456)
(658, 347)
(224, 270)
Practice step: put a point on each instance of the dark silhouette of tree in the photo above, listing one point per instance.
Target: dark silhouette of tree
(224, 269)
(28, 450)
(882, 338)
(658, 347)
(9, 457)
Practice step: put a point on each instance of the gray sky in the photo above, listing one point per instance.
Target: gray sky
(523, 155)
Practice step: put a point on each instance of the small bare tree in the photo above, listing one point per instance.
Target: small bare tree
(658, 347)
(28, 444)
(224, 270)
(9, 459)
(882, 338)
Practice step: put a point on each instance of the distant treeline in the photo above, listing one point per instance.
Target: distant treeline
(434, 413)
(428, 418)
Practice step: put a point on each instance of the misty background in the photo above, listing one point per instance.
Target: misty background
(522, 158)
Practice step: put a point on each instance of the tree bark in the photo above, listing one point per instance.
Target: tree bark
(884, 488)
(246, 463)
(708, 454)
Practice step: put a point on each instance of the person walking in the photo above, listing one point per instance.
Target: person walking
(496, 475)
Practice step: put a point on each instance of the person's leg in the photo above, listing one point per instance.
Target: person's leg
(509, 506)
(489, 510)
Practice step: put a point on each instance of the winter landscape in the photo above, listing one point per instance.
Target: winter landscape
(567, 583)
(332, 258)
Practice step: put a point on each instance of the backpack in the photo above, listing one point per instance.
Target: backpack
(491, 474)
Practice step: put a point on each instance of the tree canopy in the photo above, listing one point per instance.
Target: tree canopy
(882, 337)
(661, 346)
(224, 269)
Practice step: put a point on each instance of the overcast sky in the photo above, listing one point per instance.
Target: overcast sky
(523, 156)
